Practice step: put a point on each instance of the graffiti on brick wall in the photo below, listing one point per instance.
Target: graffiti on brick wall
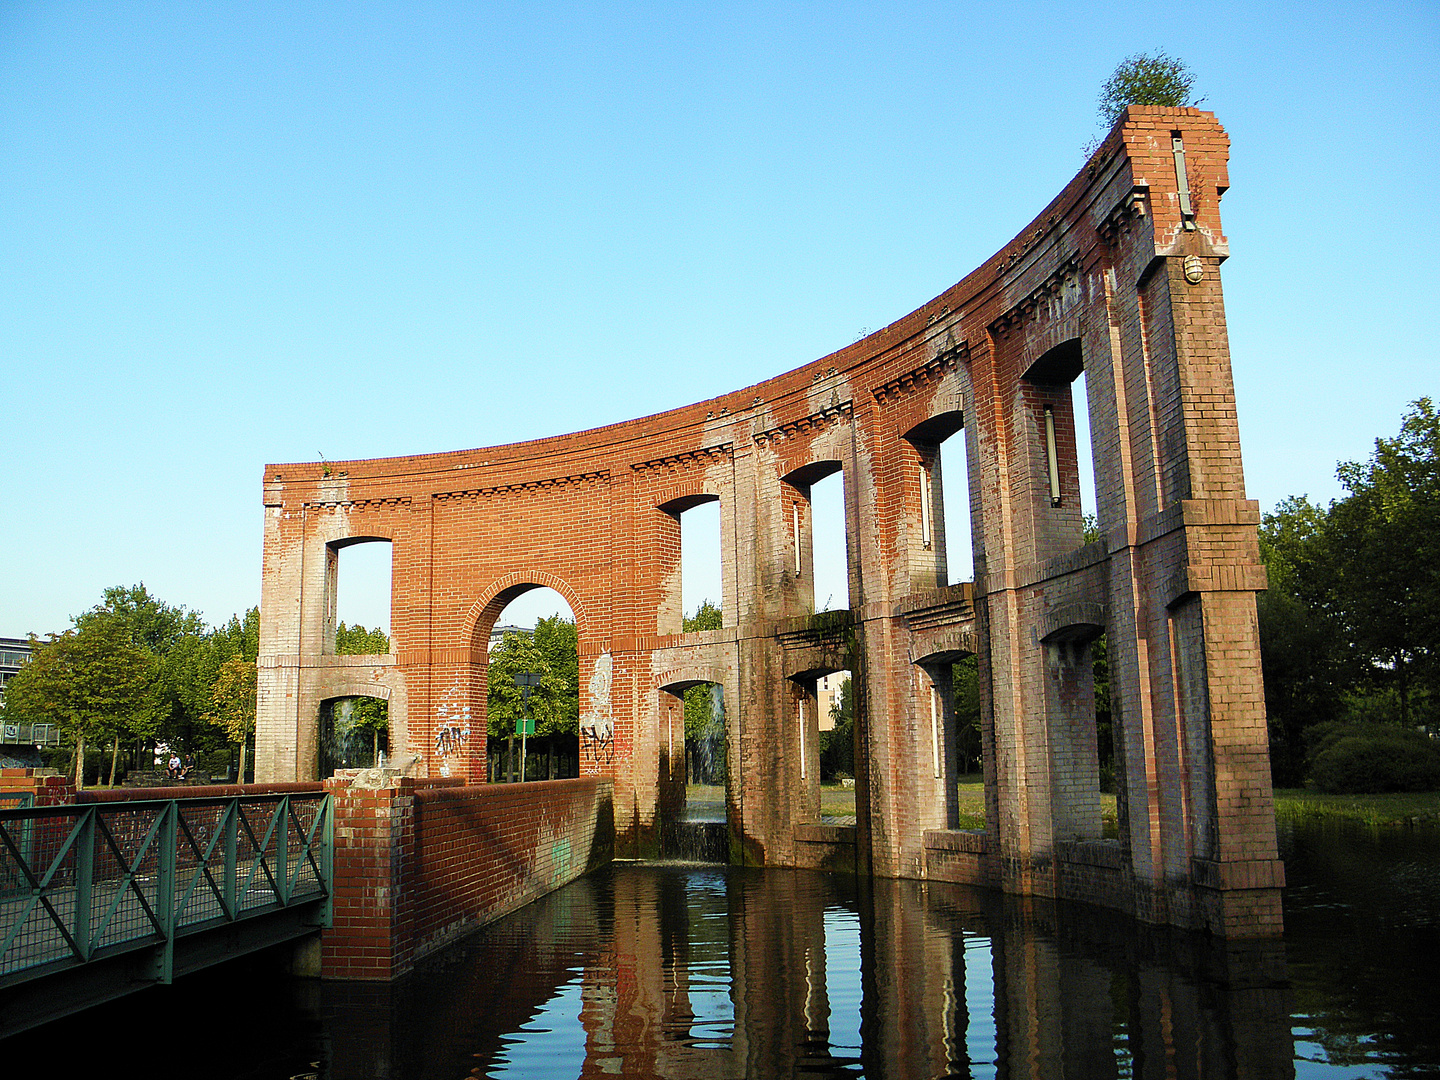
(452, 727)
(597, 727)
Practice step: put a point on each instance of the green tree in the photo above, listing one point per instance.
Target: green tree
(366, 715)
(837, 746)
(358, 641)
(1384, 540)
(188, 662)
(704, 719)
(1142, 79)
(241, 636)
(965, 687)
(704, 710)
(1348, 626)
(1301, 654)
(707, 617)
(551, 650)
(92, 682)
(232, 703)
(149, 622)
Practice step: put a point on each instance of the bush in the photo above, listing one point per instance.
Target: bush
(1367, 758)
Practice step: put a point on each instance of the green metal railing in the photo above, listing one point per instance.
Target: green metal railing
(82, 883)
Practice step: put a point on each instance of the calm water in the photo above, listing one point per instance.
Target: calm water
(699, 971)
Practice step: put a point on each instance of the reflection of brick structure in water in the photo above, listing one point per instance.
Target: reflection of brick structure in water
(908, 980)
(1118, 278)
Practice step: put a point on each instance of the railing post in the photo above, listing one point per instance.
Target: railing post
(84, 879)
(282, 850)
(327, 861)
(232, 859)
(165, 889)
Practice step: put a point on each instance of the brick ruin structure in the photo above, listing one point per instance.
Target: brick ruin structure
(1117, 278)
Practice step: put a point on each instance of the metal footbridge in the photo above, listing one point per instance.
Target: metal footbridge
(104, 898)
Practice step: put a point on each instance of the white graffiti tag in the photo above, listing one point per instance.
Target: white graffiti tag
(597, 727)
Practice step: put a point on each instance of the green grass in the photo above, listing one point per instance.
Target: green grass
(1393, 808)
(1291, 804)
(838, 802)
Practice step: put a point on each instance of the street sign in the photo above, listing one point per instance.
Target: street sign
(525, 725)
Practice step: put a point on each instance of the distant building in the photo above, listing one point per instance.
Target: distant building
(827, 695)
(20, 742)
(498, 634)
(13, 654)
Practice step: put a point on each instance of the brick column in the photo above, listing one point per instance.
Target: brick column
(373, 827)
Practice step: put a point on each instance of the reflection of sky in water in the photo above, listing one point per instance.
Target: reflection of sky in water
(842, 981)
(980, 1043)
(708, 979)
(552, 1044)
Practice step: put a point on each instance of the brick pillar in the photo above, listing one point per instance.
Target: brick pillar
(369, 939)
(48, 787)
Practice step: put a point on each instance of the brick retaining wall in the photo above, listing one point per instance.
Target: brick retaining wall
(421, 863)
(418, 863)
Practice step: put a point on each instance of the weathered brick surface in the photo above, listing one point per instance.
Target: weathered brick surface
(422, 862)
(47, 790)
(1100, 281)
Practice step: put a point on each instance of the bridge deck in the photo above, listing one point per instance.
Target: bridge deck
(99, 900)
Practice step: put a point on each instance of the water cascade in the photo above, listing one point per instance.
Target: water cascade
(701, 834)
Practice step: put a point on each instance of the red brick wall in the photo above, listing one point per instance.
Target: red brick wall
(421, 863)
(48, 790)
(1109, 278)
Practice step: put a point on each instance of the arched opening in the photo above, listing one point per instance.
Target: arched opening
(691, 573)
(820, 557)
(694, 770)
(1085, 456)
(835, 745)
(357, 585)
(822, 720)
(701, 586)
(829, 543)
(1070, 653)
(1064, 465)
(532, 703)
(948, 720)
(354, 733)
(941, 518)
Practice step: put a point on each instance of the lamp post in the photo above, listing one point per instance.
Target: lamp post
(525, 724)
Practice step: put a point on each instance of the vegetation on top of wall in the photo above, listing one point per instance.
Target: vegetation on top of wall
(1142, 79)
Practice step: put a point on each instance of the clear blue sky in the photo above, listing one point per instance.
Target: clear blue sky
(239, 234)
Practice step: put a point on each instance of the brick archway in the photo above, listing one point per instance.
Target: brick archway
(1117, 277)
(498, 595)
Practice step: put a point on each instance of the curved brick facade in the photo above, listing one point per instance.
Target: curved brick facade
(1118, 277)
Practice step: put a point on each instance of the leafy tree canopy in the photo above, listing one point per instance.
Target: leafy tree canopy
(707, 617)
(1350, 626)
(149, 622)
(704, 708)
(92, 682)
(357, 641)
(550, 651)
(1383, 541)
(232, 699)
(1143, 79)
